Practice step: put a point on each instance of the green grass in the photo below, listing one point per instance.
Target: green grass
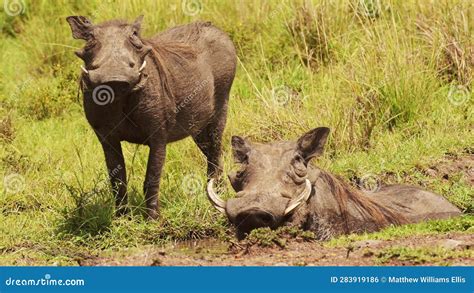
(420, 256)
(379, 77)
(464, 224)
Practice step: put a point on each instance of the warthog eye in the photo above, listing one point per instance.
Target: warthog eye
(90, 44)
(240, 174)
(298, 165)
(135, 40)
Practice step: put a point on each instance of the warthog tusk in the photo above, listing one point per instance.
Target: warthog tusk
(143, 66)
(85, 70)
(216, 201)
(303, 197)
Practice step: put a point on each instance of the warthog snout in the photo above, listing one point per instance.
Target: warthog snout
(253, 218)
(117, 72)
(122, 77)
(251, 210)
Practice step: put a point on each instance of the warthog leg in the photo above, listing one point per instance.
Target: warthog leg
(209, 140)
(117, 174)
(151, 188)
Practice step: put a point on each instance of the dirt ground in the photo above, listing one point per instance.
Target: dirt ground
(453, 165)
(296, 253)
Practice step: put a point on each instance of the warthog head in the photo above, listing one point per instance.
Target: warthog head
(272, 181)
(114, 53)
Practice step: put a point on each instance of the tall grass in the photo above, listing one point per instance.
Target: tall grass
(382, 77)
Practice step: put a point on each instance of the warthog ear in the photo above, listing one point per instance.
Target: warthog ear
(311, 144)
(80, 26)
(137, 24)
(240, 149)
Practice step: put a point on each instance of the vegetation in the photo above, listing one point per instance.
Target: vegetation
(464, 224)
(265, 237)
(393, 81)
(414, 256)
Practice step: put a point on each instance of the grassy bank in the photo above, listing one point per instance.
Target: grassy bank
(393, 82)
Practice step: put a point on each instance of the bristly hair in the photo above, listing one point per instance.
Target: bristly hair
(345, 193)
(167, 51)
(165, 54)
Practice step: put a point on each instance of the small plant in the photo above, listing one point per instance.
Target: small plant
(266, 237)
(91, 213)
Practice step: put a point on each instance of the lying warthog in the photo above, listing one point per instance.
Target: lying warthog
(277, 186)
(154, 91)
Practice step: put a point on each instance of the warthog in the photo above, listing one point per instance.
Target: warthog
(277, 186)
(154, 91)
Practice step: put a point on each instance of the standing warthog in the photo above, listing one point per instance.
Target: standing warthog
(277, 186)
(154, 91)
